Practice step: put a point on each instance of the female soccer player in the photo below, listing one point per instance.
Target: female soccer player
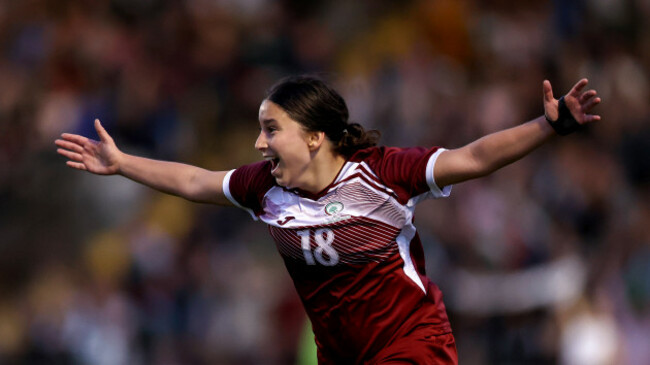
(341, 209)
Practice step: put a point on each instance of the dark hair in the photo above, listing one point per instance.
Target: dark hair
(318, 107)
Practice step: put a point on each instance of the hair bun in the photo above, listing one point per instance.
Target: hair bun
(356, 138)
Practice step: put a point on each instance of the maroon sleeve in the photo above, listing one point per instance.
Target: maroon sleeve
(404, 170)
(247, 185)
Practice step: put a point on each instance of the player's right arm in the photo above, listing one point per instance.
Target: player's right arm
(104, 158)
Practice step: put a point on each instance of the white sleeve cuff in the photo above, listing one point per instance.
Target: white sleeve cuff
(435, 189)
(226, 192)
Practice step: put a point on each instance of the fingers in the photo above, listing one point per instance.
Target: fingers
(75, 138)
(75, 147)
(588, 118)
(69, 154)
(76, 165)
(548, 91)
(74, 157)
(590, 103)
(577, 88)
(588, 100)
(69, 145)
(586, 96)
(101, 132)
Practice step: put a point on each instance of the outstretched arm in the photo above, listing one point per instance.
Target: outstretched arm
(499, 149)
(104, 158)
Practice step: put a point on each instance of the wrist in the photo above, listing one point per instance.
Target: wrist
(565, 122)
(120, 162)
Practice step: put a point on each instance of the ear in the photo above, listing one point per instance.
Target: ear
(315, 140)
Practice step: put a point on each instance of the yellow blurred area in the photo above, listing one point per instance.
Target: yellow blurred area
(172, 215)
(13, 335)
(107, 257)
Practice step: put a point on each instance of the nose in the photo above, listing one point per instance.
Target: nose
(260, 143)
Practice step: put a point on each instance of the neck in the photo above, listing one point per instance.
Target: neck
(325, 167)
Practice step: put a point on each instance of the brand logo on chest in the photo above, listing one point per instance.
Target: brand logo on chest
(285, 221)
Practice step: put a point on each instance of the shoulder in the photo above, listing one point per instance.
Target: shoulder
(261, 169)
(406, 170)
(372, 154)
(392, 155)
(248, 184)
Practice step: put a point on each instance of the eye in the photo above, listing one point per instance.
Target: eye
(269, 128)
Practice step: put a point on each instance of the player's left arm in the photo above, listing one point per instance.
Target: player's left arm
(496, 150)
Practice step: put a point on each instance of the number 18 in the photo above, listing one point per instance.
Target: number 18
(324, 238)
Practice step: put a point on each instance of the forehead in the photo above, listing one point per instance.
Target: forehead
(271, 111)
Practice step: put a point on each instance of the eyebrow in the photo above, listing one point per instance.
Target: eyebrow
(267, 121)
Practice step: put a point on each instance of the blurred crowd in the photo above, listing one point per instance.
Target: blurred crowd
(545, 262)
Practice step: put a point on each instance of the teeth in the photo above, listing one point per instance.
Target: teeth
(274, 161)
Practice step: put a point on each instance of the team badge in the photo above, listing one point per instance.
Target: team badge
(333, 208)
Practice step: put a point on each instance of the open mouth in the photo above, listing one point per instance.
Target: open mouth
(275, 161)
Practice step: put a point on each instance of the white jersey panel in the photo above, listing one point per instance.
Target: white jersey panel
(355, 194)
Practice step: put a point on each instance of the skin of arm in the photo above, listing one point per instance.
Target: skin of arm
(496, 150)
(104, 158)
(186, 181)
(490, 153)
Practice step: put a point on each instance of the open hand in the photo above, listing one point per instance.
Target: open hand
(99, 157)
(579, 103)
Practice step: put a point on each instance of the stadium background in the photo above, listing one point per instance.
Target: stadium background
(545, 262)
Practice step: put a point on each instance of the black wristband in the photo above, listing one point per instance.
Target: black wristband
(565, 123)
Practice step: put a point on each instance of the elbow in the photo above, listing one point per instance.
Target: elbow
(201, 187)
(476, 169)
(189, 189)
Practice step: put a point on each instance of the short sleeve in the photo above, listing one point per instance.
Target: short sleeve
(438, 192)
(407, 171)
(246, 186)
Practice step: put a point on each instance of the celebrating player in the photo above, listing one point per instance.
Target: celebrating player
(340, 210)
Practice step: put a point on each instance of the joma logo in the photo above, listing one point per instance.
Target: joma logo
(286, 220)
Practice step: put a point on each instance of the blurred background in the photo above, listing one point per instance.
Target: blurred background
(545, 262)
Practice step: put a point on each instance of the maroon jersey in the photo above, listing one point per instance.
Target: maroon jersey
(352, 250)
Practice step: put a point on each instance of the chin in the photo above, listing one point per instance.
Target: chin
(282, 183)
